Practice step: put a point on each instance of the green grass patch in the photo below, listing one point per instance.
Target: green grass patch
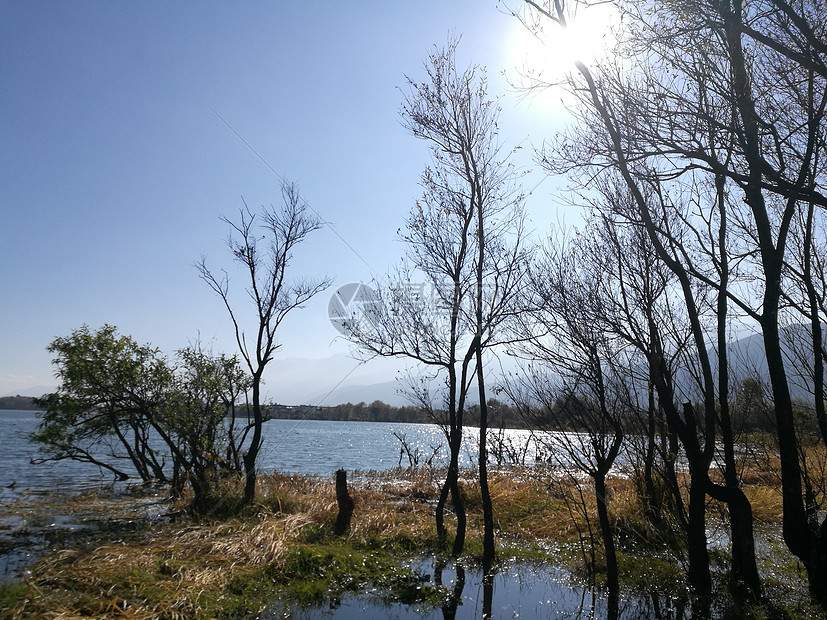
(12, 597)
(647, 571)
(312, 574)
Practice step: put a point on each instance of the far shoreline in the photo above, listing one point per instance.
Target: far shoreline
(376, 411)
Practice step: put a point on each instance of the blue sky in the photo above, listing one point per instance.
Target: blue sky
(114, 169)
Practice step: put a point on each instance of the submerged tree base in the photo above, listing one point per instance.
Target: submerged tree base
(282, 554)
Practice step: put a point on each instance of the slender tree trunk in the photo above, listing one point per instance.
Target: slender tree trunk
(488, 550)
(251, 455)
(744, 567)
(699, 460)
(439, 510)
(451, 485)
(459, 510)
(676, 503)
(456, 494)
(456, 408)
(699, 574)
(232, 448)
(654, 503)
(796, 530)
(606, 533)
(454, 433)
(815, 326)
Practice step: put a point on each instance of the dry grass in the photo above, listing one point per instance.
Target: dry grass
(167, 570)
(760, 475)
(187, 569)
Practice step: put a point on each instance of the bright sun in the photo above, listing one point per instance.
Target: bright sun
(549, 53)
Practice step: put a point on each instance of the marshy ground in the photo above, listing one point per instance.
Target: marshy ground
(136, 555)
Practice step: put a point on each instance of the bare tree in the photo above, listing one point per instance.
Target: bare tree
(263, 243)
(404, 320)
(573, 376)
(735, 92)
(465, 236)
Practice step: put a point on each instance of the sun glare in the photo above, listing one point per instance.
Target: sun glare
(547, 54)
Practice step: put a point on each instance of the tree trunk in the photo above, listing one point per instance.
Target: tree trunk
(345, 502)
(654, 499)
(670, 457)
(488, 550)
(249, 477)
(699, 575)
(451, 485)
(459, 510)
(744, 566)
(815, 327)
(251, 455)
(451, 477)
(439, 510)
(606, 531)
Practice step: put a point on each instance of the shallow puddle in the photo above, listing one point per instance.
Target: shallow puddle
(517, 590)
(41, 527)
(25, 538)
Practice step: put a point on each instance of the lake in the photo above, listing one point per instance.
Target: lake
(290, 446)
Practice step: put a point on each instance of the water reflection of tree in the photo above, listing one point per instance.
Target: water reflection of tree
(454, 598)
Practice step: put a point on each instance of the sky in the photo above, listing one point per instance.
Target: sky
(116, 165)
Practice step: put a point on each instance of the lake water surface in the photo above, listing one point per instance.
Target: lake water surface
(290, 446)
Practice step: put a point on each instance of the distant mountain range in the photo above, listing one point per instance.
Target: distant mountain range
(304, 381)
(747, 359)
